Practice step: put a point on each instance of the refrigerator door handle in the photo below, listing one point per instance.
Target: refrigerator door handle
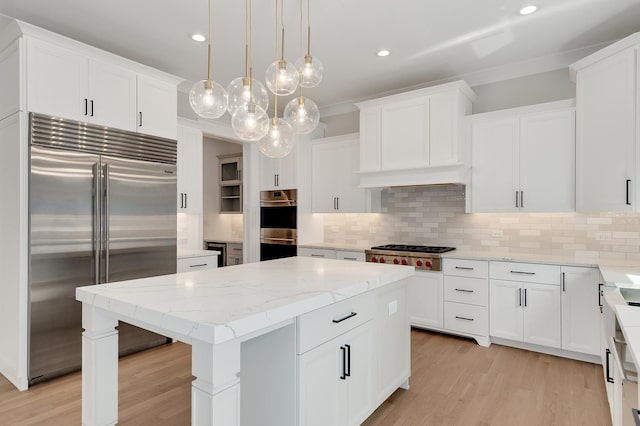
(106, 223)
(96, 221)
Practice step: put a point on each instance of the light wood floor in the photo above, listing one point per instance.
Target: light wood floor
(454, 382)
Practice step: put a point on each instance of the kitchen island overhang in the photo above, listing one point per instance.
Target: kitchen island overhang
(215, 311)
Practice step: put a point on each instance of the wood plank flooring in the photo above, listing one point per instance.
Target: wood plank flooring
(454, 382)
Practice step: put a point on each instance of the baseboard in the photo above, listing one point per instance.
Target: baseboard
(594, 359)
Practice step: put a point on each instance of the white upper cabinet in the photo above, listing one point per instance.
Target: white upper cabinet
(157, 107)
(98, 89)
(278, 173)
(606, 133)
(415, 138)
(523, 159)
(189, 168)
(334, 183)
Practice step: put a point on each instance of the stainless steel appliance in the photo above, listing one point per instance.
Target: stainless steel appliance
(278, 224)
(102, 209)
(424, 258)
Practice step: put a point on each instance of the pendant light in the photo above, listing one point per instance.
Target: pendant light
(309, 68)
(207, 98)
(278, 141)
(302, 113)
(249, 119)
(282, 76)
(243, 89)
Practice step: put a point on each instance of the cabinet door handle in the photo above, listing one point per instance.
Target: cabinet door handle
(348, 373)
(607, 365)
(186, 198)
(628, 197)
(462, 290)
(519, 297)
(91, 107)
(337, 203)
(464, 268)
(464, 319)
(525, 297)
(198, 265)
(600, 294)
(351, 315)
(522, 272)
(517, 200)
(521, 199)
(344, 363)
(86, 106)
(140, 124)
(182, 200)
(564, 286)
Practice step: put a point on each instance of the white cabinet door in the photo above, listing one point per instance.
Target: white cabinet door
(351, 198)
(580, 310)
(425, 299)
(541, 308)
(278, 173)
(606, 133)
(324, 176)
(287, 170)
(320, 386)
(370, 139)
(505, 309)
(443, 119)
(495, 157)
(157, 107)
(189, 170)
(547, 161)
(112, 96)
(406, 121)
(56, 81)
(359, 387)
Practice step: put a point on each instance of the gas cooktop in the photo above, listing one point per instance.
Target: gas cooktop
(415, 249)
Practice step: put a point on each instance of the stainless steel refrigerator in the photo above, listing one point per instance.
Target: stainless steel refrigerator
(102, 209)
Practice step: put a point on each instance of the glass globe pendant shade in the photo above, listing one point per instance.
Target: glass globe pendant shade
(282, 78)
(240, 94)
(208, 99)
(310, 70)
(278, 141)
(303, 115)
(250, 122)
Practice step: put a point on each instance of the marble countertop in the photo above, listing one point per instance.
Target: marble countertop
(187, 253)
(628, 319)
(335, 246)
(222, 240)
(526, 258)
(621, 276)
(222, 304)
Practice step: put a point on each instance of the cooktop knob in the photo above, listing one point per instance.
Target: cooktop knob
(382, 260)
(427, 263)
(419, 263)
(374, 259)
(396, 261)
(404, 261)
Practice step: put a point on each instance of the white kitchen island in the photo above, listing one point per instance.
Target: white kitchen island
(278, 328)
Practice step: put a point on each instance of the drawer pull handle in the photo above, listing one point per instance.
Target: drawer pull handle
(349, 258)
(463, 318)
(463, 290)
(317, 255)
(351, 315)
(464, 268)
(522, 272)
(198, 265)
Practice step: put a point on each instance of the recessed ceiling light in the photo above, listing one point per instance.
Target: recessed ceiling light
(528, 10)
(198, 37)
(383, 52)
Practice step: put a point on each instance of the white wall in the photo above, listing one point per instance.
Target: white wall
(217, 226)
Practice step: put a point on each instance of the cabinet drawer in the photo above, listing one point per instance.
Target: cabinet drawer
(317, 252)
(474, 291)
(466, 268)
(321, 325)
(466, 318)
(357, 256)
(526, 272)
(197, 263)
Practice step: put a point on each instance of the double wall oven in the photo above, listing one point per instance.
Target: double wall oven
(278, 224)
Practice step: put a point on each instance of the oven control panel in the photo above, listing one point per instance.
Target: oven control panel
(423, 263)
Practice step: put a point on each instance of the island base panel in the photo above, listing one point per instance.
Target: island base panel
(99, 368)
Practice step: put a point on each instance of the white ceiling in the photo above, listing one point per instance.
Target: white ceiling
(430, 40)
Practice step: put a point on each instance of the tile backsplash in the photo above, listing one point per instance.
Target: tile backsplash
(435, 216)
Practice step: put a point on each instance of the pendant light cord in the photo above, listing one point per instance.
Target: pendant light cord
(209, 46)
(301, 13)
(250, 52)
(308, 28)
(275, 96)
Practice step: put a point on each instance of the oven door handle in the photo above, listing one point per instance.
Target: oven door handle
(281, 241)
(278, 203)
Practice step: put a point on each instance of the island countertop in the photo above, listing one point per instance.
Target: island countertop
(223, 304)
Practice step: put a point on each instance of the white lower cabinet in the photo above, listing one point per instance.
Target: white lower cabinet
(197, 263)
(580, 310)
(353, 255)
(425, 299)
(351, 356)
(526, 312)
